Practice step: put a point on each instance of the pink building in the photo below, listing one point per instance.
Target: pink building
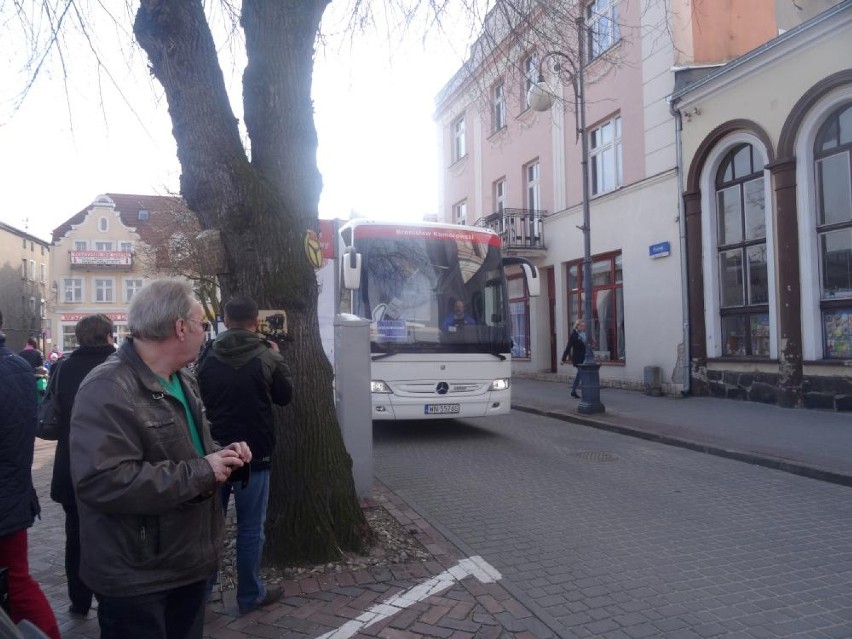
(516, 170)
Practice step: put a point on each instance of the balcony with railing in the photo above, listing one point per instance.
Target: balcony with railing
(521, 229)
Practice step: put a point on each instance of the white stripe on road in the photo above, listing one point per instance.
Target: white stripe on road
(475, 566)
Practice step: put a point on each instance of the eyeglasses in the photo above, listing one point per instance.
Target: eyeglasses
(205, 325)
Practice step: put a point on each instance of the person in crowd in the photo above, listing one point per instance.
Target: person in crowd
(457, 317)
(55, 350)
(41, 383)
(94, 336)
(145, 471)
(51, 360)
(18, 500)
(241, 377)
(576, 350)
(32, 354)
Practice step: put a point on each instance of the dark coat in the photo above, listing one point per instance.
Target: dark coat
(150, 515)
(33, 357)
(575, 349)
(73, 369)
(240, 378)
(18, 501)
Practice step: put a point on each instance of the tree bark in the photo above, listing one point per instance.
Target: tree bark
(263, 206)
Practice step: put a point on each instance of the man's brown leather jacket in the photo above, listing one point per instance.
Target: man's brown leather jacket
(150, 514)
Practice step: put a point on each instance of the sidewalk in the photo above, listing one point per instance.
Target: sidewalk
(453, 596)
(806, 442)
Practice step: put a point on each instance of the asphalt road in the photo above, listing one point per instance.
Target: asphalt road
(604, 535)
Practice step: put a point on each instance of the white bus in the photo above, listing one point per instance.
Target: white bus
(440, 331)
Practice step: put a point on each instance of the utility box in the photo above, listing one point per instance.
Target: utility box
(653, 381)
(352, 396)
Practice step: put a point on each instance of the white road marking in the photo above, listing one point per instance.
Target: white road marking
(474, 566)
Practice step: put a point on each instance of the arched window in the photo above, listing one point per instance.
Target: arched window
(742, 254)
(833, 176)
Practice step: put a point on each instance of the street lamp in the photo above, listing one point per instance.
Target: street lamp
(540, 98)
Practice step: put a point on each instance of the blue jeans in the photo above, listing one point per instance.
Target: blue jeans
(170, 614)
(251, 504)
(576, 383)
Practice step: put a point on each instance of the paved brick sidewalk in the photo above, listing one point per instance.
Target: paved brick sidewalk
(316, 606)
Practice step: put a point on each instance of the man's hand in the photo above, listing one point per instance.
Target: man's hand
(242, 449)
(224, 461)
(273, 345)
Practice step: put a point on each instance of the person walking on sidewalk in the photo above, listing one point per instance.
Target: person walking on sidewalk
(576, 350)
(240, 377)
(146, 470)
(18, 500)
(32, 354)
(94, 336)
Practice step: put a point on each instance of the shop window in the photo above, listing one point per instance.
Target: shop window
(607, 326)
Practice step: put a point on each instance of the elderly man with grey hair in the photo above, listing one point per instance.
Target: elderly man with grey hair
(146, 472)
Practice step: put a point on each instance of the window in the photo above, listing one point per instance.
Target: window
(519, 314)
(460, 212)
(81, 245)
(103, 246)
(25, 243)
(498, 104)
(103, 290)
(607, 327)
(126, 247)
(602, 25)
(142, 216)
(532, 180)
(131, 287)
(741, 253)
(31, 271)
(72, 290)
(605, 156)
(833, 173)
(459, 149)
(69, 338)
(530, 77)
(42, 250)
(43, 273)
(24, 268)
(103, 224)
(500, 195)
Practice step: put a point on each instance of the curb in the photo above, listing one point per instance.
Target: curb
(768, 461)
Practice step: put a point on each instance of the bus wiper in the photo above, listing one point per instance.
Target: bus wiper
(375, 356)
(499, 356)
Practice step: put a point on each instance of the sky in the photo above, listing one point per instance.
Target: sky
(72, 140)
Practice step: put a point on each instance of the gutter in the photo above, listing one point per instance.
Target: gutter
(681, 223)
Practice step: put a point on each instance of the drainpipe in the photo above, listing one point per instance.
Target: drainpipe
(681, 218)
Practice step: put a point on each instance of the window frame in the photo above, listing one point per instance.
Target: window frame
(521, 348)
(605, 155)
(75, 288)
(96, 290)
(131, 290)
(501, 194)
(460, 212)
(612, 292)
(459, 138)
(601, 12)
(532, 185)
(530, 75)
(498, 107)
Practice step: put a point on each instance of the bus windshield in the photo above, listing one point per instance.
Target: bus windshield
(432, 289)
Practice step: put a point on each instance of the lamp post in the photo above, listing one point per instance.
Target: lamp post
(540, 98)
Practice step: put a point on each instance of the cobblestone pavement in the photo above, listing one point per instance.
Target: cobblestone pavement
(602, 535)
(315, 606)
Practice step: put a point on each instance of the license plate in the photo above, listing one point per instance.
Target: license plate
(442, 409)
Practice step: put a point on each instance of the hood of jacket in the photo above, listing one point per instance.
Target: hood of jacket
(238, 346)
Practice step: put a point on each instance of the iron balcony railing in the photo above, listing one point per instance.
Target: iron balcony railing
(519, 228)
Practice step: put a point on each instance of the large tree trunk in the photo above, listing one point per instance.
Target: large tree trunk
(263, 207)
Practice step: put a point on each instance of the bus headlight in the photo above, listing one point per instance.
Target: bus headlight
(499, 384)
(378, 386)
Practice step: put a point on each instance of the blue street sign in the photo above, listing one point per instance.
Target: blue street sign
(661, 249)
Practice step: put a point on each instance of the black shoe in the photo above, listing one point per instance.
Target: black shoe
(78, 611)
(574, 394)
(272, 595)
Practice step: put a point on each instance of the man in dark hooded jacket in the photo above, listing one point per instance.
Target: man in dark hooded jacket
(240, 377)
(18, 501)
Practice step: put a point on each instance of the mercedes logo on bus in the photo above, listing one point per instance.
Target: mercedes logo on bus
(442, 388)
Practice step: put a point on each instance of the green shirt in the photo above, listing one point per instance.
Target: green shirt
(175, 389)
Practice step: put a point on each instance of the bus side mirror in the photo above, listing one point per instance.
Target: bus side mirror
(351, 266)
(533, 281)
